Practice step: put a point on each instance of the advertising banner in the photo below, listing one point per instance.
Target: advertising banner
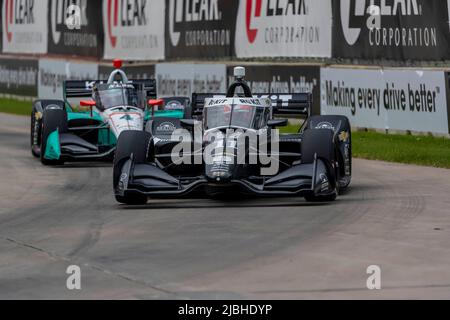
(24, 26)
(447, 75)
(284, 28)
(199, 29)
(146, 71)
(282, 79)
(134, 30)
(389, 29)
(1, 27)
(387, 99)
(176, 79)
(52, 74)
(19, 77)
(75, 27)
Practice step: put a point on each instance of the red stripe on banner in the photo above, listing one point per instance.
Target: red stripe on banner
(9, 10)
(116, 12)
(258, 8)
(112, 39)
(251, 33)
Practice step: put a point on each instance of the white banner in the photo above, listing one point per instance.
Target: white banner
(283, 28)
(134, 29)
(24, 25)
(52, 74)
(176, 79)
(387, 99)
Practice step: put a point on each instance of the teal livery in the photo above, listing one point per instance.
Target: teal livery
(86, 124)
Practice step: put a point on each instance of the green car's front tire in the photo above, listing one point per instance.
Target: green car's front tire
(52, 120)
(35, 135)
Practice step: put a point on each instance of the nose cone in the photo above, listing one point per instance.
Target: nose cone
(221, 163)
(219, 172)
(125, 120)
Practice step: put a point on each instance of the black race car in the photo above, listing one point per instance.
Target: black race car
(213, 153)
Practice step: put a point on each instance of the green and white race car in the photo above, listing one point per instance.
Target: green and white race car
(60, 132)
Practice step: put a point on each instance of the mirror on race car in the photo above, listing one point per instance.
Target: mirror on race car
(277, 123)
(189, 123)
(154, 103)
(87, 103)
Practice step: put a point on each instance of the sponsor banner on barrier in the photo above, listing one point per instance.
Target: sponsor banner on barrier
(19, 77)
(447, 76)
(199, 29)
(388, 29)
(146, 71)
(176, 79)
(52, 74)
(283, 28)
(387, 99)
(24, 26)
(75, 27)
(282, 79)
(134, 29)
(1, 27)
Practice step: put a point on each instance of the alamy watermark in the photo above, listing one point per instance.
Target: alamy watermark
(73, 17)
(374, 280)
(73, 281)
(229, 147)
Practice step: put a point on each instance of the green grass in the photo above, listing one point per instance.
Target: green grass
(15, 106)
(420, 150)
(290, 128)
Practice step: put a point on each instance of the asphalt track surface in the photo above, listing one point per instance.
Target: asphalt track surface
(395, 216)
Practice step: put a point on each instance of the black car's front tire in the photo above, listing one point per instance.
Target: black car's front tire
(327, 198)
(132, 200)
(138, 144)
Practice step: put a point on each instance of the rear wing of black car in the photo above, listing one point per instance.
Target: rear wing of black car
(83, 88)
(287, 104)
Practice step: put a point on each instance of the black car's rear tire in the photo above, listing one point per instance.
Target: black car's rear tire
(341, 126)
(131, 142)
(52, 119)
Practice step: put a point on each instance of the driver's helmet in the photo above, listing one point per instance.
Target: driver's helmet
(243, 113)
(107, 96)
(111, 96)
